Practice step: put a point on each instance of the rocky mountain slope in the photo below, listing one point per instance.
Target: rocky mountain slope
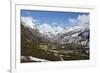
(70, 43)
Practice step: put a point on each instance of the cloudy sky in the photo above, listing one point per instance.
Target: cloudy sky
(52, 21)
(55, 18)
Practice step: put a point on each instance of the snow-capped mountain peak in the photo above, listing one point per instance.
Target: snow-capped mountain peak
(55, 32)
(45, 29)
(28, 22)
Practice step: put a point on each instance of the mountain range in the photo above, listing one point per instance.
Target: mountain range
(75, 34)
(35, 35)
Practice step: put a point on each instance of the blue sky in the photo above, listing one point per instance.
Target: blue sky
(52, 17)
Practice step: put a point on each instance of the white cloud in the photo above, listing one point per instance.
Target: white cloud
(29, 21)
(72, 20)
(81, 20)
(43, 28)
(47, 28)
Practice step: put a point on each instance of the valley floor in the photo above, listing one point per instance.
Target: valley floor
(56, 55)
